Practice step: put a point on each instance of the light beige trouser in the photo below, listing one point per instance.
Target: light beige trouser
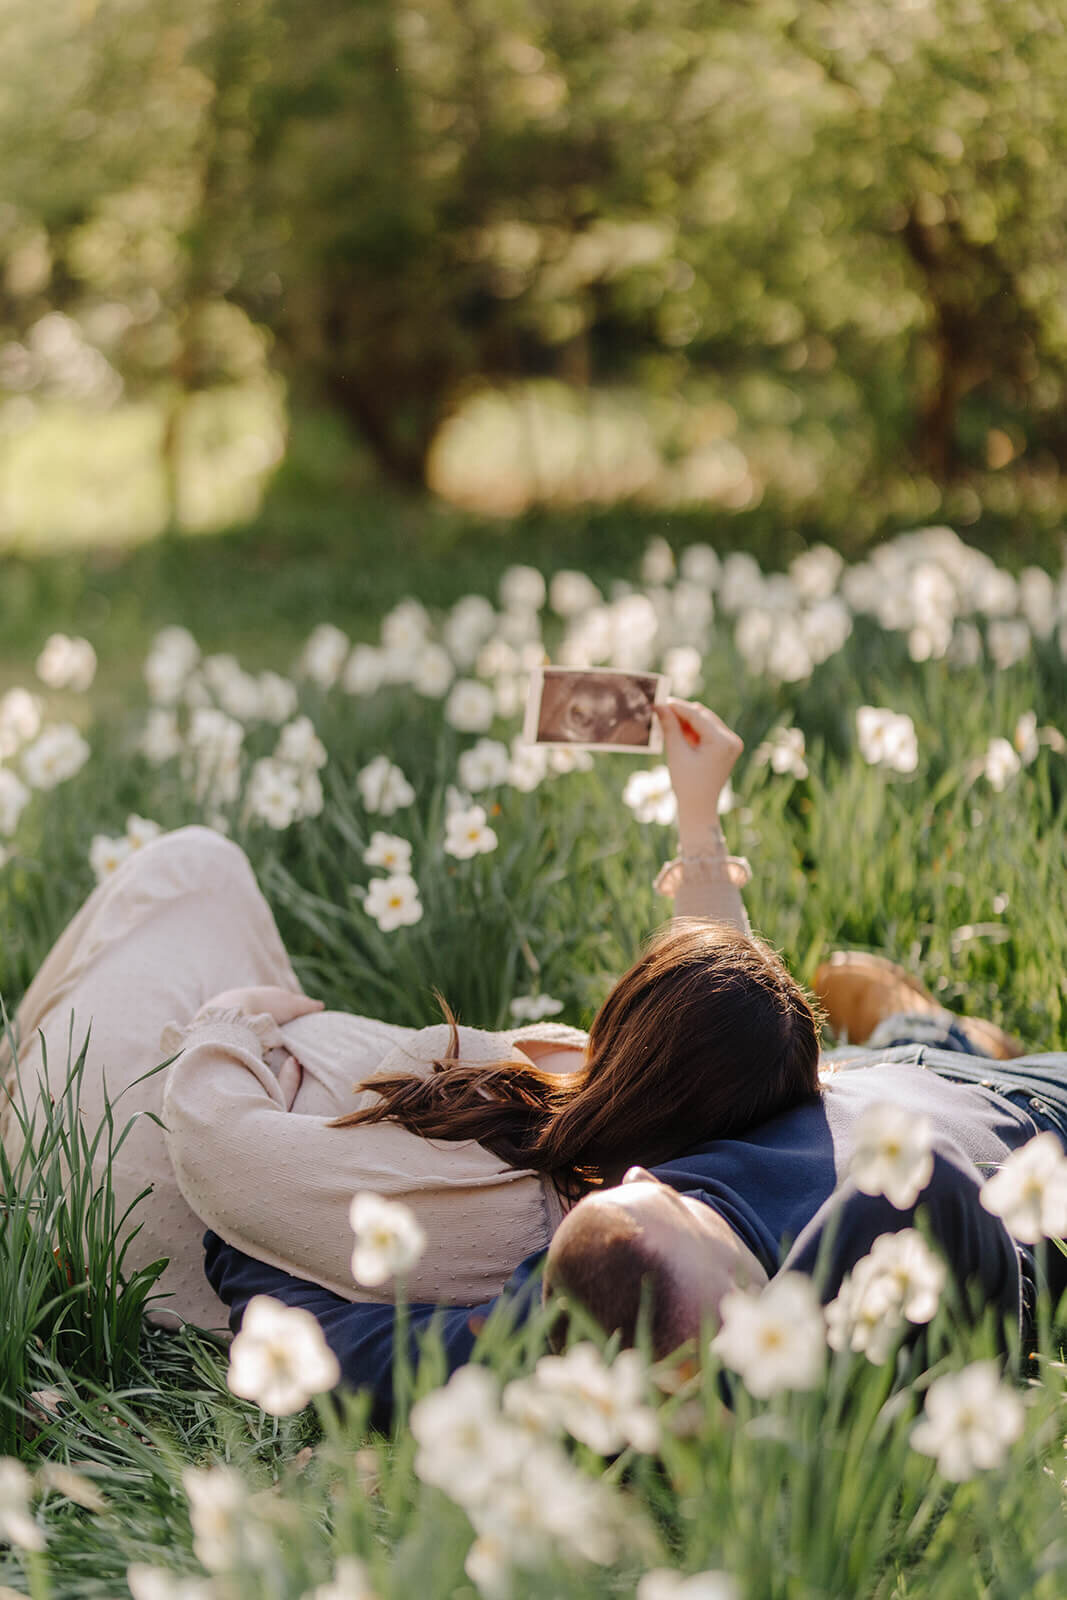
(180, 920)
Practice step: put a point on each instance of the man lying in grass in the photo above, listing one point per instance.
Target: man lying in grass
(920, 1117)
(921, 1125)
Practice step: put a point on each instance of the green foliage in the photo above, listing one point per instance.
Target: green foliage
(68, 1297)
(799, 1495)
(850, 215)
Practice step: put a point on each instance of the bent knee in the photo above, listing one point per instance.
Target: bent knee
(199, 854)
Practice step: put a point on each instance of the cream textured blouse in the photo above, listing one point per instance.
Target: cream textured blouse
(227, 1118)
(217, 1140)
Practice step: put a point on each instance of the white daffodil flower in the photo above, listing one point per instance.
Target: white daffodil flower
(683, 666)
(783, 751)
(971, 1419)
(172, 656)
(657, 563)
(66, 663)
(1009, 640)
(393, 902)
(532, 1407)
(406, 626)
(364, 671)
(1025, 738)
(528, 767)
(467, 834)
(141, 831)
(469, 623)
(432, 671)
(389, 1238)
(212, 759)
(893, 1153)
(278, 697)
(534, 1007)
(1002, 762)
(486, 765)
(390, 851)
(161, 740)
(351, 1581)
(300, 746)
(383, 787)
(700, 564)
(236, 691)
(775, 1339)
(899, 1281)
(1029, 1192)
(273, 793)
(14, 798)
(490, 1565)
(604, 1407)
(470, 706)
(324, 655)
(154, 1583)
(650, 796)
(572, 592)
(663, 1584)
(107, 855)
(815, 572)
(279, 1358)
(54, 756)
(522, 589)
(17, 1525)
(465, 1447)
(226, 1532)
(20, 720)
(887, 739)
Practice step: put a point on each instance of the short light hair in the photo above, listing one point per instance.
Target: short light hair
(601, 1259)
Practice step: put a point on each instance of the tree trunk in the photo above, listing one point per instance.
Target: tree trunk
(403, 461)
(936, 441)
(170, 457)
(956, 347)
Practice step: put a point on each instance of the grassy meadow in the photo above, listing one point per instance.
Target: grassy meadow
(942, 847)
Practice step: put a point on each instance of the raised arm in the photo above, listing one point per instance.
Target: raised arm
(704, 879)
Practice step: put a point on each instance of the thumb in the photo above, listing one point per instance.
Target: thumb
(674, 740)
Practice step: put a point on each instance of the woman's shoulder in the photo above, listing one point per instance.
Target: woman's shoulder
(560, 1033)
(422, 1048)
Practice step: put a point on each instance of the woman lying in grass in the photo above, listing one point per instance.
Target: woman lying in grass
(276, 1111)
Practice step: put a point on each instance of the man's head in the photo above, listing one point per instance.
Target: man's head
(643, 1244)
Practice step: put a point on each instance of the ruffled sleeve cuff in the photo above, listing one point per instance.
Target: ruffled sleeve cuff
(227, 1026)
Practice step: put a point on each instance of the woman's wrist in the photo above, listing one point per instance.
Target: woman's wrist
(700, 836)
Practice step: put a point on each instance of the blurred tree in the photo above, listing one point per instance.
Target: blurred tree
(865, 199)
(950, 144)
(125, 158)
(458, 191)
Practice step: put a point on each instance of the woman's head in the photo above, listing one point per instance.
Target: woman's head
(706, 1035)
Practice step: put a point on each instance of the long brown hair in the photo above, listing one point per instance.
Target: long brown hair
(706, 1035)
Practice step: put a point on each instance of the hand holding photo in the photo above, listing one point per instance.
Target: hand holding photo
(596, 708)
